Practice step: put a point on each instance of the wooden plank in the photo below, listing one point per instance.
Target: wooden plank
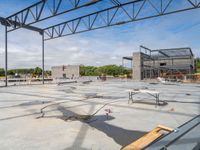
(148, 138)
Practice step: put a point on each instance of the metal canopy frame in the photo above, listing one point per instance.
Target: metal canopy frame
(114, 12)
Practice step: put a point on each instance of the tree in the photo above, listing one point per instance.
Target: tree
(11, 72)
(2, 72)
(37, 71)
(48, 72)
(112, 70)
(88, 71)
(197, 64)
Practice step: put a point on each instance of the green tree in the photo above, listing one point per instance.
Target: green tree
(112, 70)
(11, 72)
(2, 72)
(48, 72)
(37, 71)
(197, 64)
(88, 71)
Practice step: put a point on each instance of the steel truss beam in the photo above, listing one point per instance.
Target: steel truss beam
(120, 14)
(9, 23)
(163, 54)
(45, 9)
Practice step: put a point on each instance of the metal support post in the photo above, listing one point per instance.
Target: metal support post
(131, 64)
(43, 58)
(150, 72)
(6, 57)
(122, 62)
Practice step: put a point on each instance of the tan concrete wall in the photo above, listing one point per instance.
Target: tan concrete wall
(68, 70)
(137, 66)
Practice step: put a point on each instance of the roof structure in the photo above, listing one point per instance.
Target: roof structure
(170, 53)
(175, 52)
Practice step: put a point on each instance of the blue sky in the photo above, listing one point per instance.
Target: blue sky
(99, 47)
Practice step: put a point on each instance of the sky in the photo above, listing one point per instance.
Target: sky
(98, 47)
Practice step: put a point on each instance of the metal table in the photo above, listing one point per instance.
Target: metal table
(152, 93)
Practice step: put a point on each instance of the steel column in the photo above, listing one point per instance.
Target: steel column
(122, 62)
(43, 58)
(6, 57)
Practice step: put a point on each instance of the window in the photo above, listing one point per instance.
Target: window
(163, 64)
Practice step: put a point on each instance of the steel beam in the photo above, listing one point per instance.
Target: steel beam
(163, 54)
(10, 23)
(118, 15)
(46, 9)
(162, 51)
(168, 140)
(145, 48)
(127, 58)
(172, 49)
(43, 58)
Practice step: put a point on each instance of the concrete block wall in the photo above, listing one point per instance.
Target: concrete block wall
(67, 71)
(137, 66)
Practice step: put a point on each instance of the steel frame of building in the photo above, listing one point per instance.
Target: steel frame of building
(117, 13)
(130, 59)
(151, 71)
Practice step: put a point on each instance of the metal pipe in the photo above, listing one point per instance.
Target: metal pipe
(6, 57)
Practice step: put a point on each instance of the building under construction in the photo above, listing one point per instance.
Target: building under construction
(174, 63)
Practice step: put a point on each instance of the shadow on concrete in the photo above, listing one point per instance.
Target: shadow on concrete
(30, 94)
(94, 103)
(28, 103)
(72, 116)
(114, 105)
(37, 113)
(161, 103)
(120, 135)
(19, 116)
(95, 95)
(27, 84)
(68, 115)
(184, 102)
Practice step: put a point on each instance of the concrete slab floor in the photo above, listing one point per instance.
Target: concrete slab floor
(73, 116)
